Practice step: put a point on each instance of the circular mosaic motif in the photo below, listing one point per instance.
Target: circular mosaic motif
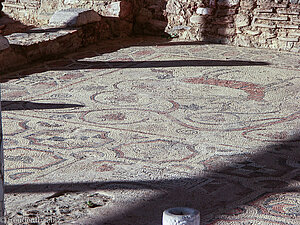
(156, 151)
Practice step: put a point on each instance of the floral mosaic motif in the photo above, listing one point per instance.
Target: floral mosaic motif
(152, 151)
(70, 139)
(280, 204)
(30, 159)
(222, 139)
(254, 91)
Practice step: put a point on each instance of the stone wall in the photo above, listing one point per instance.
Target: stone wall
(39, 12)
(252, 23)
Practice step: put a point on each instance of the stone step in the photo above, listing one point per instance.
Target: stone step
(69, 30)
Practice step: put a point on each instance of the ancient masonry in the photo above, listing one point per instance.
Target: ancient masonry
(252, 23)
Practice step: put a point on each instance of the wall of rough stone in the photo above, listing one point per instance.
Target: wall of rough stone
(252, 23)
(150, 17)
(118, 14)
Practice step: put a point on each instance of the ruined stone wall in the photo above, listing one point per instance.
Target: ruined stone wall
(150, 17)
(251, 23)
(39, 12)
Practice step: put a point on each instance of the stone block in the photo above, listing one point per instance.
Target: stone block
(253, 32)
(227, 31)
(4, 44)
(223, 20)
(242, 20)
(204, 11)
(278, 18)
(288, 26)
(296, 21)
(242, 41)
(247, 4)
(265, 25)
(197, 19)
(71, 2)
(172, 7)
(38, 35)
(294, 34)
(268, 35)
(9, 5)
(73, 17)
(268, 5)
(225, 12)
(120, 9)
(228, 3)
(112, 9)
(264, 10)
(288, 39)
(288, 12)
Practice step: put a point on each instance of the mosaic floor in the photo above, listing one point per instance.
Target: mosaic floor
(146, 125)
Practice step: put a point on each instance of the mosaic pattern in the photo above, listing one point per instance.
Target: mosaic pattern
(157, 125)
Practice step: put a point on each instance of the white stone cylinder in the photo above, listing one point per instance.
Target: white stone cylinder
(181, 216)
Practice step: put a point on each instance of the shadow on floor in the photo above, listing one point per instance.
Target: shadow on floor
(171, 63)
(26, 105)
(67, 64)
(225, 188)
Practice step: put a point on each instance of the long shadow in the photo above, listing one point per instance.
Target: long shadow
(171, 63)
(248, 178)
(175, 63)
(131, 64)
(26, 105)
